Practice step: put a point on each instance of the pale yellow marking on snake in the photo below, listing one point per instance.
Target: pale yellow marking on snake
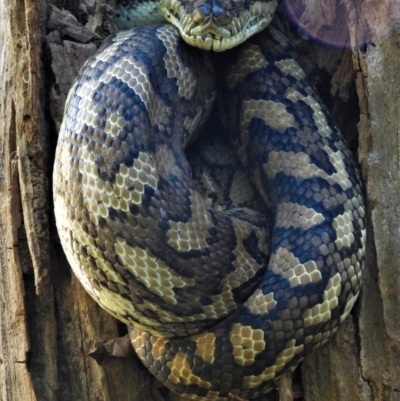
(279, 37)
(247, 343)
(117, 195)
(134, 73)
(318, 115)
(244, 264)
(259, 303)
(273, 113)
(176, 69)
(287, 355)
(291, 67)
(191, 235)
(114, 120)
(351, 300)
(298, 165)
(104, 56)
(166, 163)
(157, 276)
(112, 301)
(137, 339)
(321, 313)
(271, 372)
(285, 263)
(153, 273)
(251, 59)
(205, 346)
(343, 224)
(181, 372)
(158, 344)
(64, 229)
(291, 214)
(320, 338)
(118, 306)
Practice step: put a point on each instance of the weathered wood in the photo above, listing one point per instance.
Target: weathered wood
(380, 156)
(333, 372)
(285, 387)
(24, 208)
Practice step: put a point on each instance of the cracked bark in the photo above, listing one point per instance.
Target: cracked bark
(49, 325)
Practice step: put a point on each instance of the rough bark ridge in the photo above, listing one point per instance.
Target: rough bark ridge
(49, 325)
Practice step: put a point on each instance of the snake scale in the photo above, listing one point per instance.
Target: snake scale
(223, 299)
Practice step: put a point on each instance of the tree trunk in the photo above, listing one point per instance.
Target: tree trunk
(48, 323)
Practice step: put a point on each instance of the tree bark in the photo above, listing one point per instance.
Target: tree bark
(362, 361)
(48, 323)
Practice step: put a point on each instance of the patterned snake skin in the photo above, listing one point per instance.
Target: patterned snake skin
(219, 305)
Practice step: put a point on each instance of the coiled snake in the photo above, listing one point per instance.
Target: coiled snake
(218, 307)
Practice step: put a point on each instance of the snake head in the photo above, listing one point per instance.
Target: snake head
(218, 24)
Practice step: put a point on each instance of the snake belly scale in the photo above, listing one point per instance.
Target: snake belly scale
(217, 306)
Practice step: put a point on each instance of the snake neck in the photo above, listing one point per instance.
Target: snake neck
(216, 25)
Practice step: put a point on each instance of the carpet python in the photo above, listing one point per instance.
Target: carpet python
(223, 299)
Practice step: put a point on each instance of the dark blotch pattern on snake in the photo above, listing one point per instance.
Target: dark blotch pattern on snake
(218, 307)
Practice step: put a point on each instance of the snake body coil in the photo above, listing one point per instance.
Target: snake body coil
(217, 307)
